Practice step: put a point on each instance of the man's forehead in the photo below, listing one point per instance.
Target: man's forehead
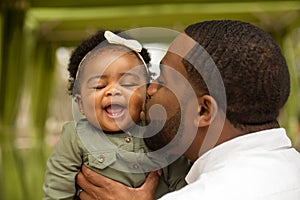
(182, 45)
(179, 48)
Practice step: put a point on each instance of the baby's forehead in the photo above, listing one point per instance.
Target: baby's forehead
(106, 53)
(103, 57)
(110, 49)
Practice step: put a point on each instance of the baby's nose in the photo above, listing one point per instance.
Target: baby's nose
(113, 92)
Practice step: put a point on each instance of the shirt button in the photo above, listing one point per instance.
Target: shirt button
(135, 166)
(101, 158)
(128, 139)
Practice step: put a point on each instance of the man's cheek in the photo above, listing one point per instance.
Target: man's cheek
(163, 107)
(171, 104)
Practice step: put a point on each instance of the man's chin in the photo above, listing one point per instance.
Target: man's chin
(155, 143)
(161, 133)
(154, 136)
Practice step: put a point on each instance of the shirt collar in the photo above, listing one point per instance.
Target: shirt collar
(268, 140)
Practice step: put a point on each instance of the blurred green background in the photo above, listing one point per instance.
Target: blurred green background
(35, 42)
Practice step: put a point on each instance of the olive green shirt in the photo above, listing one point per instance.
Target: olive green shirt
(119, 156)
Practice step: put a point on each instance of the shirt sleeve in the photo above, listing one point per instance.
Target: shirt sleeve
(63, 165)
(176, 172)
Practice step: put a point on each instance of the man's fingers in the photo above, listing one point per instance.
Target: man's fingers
(147, 190)
(80, 180)
(95, 178)
(151, 181)
(99, 180)
(84, 196)
(89, 191)
(96, 186)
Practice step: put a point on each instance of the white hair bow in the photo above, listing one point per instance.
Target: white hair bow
(115, 39)
(131, 44)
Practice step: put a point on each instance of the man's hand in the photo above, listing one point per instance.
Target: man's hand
(96, 186)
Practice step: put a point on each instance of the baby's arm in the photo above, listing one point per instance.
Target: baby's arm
(62, 166)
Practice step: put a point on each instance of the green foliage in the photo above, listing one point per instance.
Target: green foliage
(22, 168)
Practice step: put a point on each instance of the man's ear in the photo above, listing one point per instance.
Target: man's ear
(78, 100)
(207, 111)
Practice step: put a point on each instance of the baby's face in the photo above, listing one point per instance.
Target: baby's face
(113, 90)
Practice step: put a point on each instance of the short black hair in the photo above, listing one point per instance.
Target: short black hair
(84, 48)
(253, 69)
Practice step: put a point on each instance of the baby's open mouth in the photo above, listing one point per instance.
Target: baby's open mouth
(115, 110)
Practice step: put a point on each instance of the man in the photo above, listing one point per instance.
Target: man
(239, 151)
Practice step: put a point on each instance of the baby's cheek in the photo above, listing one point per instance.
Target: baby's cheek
(137, 101)
(138, 95)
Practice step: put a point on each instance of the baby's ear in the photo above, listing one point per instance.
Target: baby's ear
(207, 111)
(78, 100)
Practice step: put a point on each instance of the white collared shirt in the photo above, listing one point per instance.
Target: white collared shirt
(257, 166)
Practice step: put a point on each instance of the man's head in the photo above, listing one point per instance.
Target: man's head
(253, 70)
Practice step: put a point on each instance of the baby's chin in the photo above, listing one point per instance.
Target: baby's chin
(117, 127)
